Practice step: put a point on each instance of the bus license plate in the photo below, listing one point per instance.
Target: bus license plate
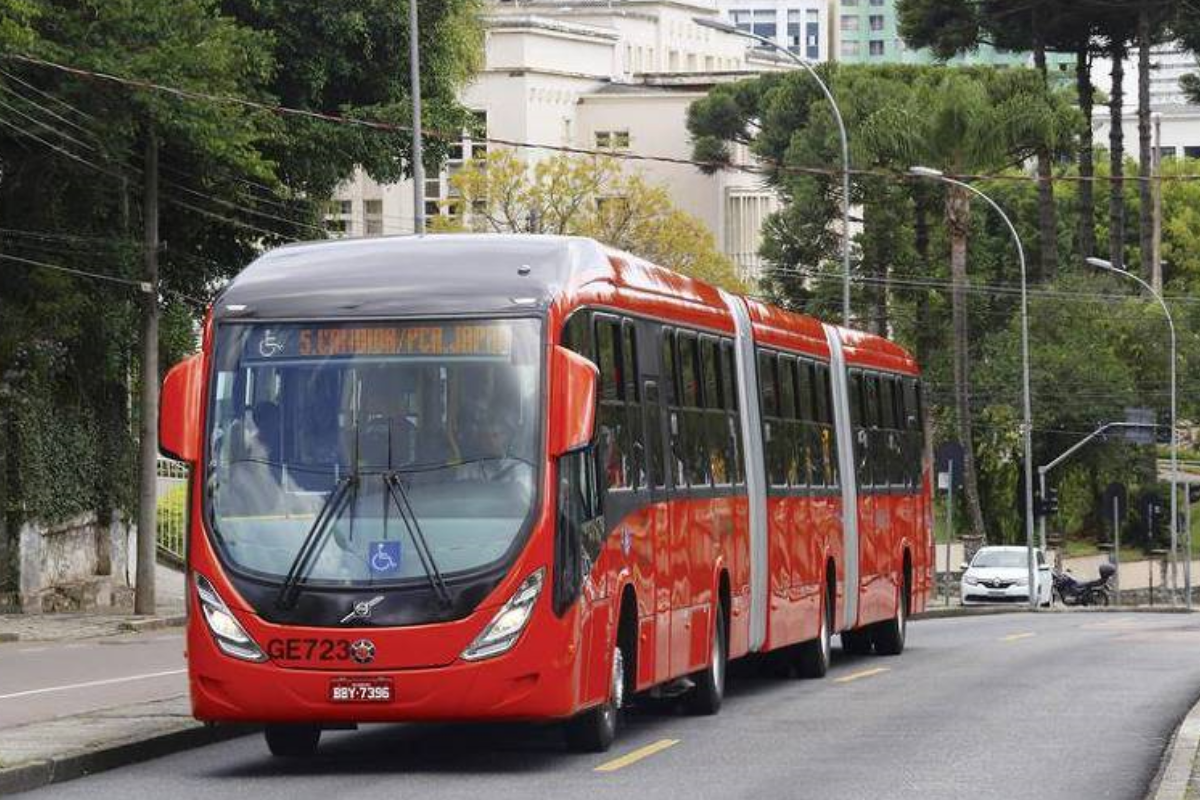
(360, 690)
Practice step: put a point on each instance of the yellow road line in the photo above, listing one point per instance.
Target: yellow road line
(866, 673)
(1012, 637)
(636, 755)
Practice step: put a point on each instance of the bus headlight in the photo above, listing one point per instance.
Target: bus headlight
(505, 628)
(226, 630)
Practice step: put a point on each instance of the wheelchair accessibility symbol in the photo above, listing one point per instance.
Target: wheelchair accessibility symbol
(385, 558)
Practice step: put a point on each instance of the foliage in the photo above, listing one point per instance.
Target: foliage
(586, 196)
(234, 181)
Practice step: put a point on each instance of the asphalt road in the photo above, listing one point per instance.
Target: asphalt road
(44, 680)
(1011, 706)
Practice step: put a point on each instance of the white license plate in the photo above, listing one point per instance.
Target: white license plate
(361, 690)
(996, 592)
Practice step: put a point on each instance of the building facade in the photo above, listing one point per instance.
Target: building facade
(617, 77)
(801, 26)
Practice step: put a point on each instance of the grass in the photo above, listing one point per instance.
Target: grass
(172, 508)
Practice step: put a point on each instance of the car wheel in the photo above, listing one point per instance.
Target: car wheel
(292, 741)
(705, 698)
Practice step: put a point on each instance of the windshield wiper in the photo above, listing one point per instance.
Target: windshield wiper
(399, 496)
(314, 540)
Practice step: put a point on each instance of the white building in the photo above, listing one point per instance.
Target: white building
(605, 75)
(1180, 129)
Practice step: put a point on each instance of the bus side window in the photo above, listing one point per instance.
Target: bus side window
(577, 334)
(671, 399)
(829, 450)
(612, 428)
(691, 423)
(636, 448)
(716, 428)
(729, 382)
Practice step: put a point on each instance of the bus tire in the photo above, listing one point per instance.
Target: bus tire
(813, 656)
(889, 635)
(709, 690)
(292, 741)
(857, 642)
(593, 730)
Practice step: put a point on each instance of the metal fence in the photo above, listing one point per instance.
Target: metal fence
(172, 507)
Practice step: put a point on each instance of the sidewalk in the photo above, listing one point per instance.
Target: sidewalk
(68, 747)
(61, 627)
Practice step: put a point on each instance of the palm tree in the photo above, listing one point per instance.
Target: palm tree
(965, 122)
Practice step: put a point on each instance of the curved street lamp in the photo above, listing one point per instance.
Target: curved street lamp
(724, 27)
(1027, 410)
(1100, 263)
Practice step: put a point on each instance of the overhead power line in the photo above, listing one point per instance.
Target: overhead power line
(391, 127)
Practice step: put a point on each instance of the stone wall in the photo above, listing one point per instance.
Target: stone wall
(79, 565)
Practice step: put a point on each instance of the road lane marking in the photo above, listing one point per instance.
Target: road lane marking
(89, 684)
(636, 755)
(33, 649)
(866, 673)
(1012, 637)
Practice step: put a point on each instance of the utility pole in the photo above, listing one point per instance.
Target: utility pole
(147, 523)
(1156, 245)
(418, 156)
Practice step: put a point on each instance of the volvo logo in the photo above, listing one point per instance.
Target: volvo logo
(363, 651)
(362, 609)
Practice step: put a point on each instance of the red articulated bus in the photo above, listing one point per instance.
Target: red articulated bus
(526, 477)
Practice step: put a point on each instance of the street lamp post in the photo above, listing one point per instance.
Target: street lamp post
(1027, 417)
(725, 27)
(418, 156)
(1100, 263)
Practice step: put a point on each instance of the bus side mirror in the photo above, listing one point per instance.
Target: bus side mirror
(179, 411)
(572, 401)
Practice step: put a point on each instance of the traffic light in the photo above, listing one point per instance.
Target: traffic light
(1048, 505)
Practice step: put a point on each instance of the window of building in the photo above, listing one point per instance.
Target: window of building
(876, 46)
(876, 2)
(850, 22)
(441, 198)
(373, 217)
(612, 140)
(794, 30)
(1191, 152)
(339, 217)
(764, 23)
(876, 22)
(849, 3)
(850, 48)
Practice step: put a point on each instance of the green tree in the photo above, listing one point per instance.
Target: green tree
(966, 123)
(586, 196)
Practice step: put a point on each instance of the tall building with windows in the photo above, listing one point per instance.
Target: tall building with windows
(867, 32)
(802, 26)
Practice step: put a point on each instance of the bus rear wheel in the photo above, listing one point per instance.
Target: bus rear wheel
(889, 635)
(593, 730)
(706, 696)
(292, 741)
(813, 657)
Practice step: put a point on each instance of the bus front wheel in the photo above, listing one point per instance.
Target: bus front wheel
(593, 730)
(292, 741)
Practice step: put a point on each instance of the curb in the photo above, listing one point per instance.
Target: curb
(1175, 773)
(153, 623)
(987, 611)
(37, 774)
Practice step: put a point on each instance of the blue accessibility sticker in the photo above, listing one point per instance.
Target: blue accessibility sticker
(384, 558)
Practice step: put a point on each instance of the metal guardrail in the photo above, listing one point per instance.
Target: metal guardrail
(172, 508)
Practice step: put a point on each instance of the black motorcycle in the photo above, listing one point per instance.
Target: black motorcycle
(1072, 592)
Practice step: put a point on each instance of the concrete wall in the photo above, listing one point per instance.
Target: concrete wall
(78, 565)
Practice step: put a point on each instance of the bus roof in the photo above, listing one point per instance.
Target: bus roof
(386, 276)
(499, 274)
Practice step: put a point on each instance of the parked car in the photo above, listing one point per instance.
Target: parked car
(1001, 575)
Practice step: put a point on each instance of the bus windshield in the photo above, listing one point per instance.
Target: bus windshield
(447, 409)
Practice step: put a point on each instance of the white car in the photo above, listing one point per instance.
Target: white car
(1001, 575)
